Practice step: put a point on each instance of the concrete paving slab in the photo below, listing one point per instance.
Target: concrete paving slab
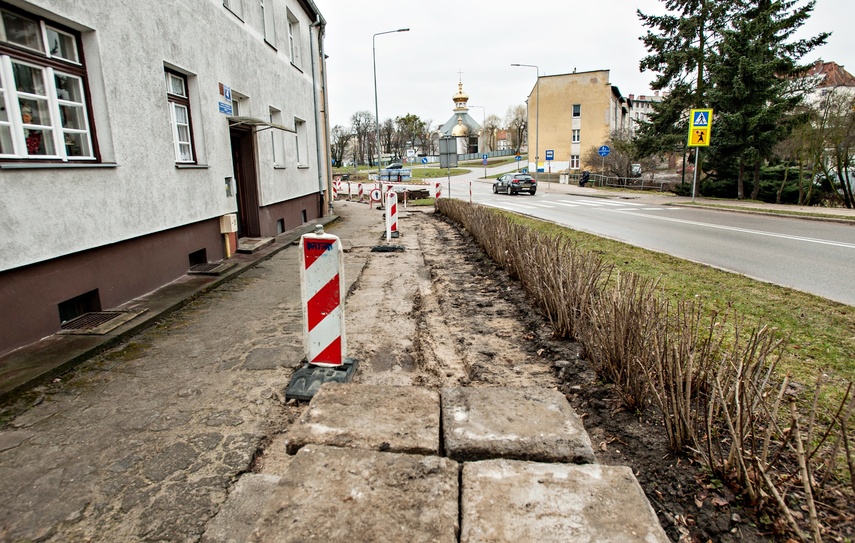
(238, 515)
(382, 418)
(333, 494)
(511, 501)
(519, 423)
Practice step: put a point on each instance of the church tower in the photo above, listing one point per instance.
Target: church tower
(461, 125)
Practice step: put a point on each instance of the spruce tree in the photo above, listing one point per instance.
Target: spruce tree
(754, 85)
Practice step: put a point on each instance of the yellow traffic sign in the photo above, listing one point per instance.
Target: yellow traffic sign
(699, 138)
(700, 126)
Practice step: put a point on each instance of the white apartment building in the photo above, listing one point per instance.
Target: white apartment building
(129, 128)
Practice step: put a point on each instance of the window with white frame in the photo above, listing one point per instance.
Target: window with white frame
(577, 110)
(235, 7)
(302, 140)
(293, 39)
(179, 116)
(44, 113)
(268, 21)
(574, 162)
(577, 135)
(278, 137)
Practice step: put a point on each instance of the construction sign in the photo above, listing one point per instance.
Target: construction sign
(700, 124)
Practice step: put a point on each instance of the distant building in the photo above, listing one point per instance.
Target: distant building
(461, 126)
(642, 107)
(133, 133)
(577, 111)
(830, 77)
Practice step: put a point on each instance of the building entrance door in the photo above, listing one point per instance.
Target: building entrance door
(246, 181)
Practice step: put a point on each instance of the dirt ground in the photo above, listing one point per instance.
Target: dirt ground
(441, 313)
(145, 442)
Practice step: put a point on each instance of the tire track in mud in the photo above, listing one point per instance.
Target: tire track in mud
(442, 314)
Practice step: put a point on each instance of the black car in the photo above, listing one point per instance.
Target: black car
(512, 183)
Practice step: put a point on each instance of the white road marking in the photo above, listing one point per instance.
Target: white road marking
(749, 231)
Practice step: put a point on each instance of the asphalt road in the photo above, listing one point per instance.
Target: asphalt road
(812, 256)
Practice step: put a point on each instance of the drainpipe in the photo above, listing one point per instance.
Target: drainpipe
(321, 166)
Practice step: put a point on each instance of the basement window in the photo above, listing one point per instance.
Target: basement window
(79, 305)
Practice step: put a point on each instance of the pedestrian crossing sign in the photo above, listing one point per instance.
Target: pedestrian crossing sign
(700, 125)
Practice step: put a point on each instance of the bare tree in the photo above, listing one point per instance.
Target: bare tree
(492, 125)
(339, 138)
(516, 121)
(619, 161)
(362, 123)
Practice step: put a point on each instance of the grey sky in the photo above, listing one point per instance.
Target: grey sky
(417, 71)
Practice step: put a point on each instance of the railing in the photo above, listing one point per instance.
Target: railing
(634, 183)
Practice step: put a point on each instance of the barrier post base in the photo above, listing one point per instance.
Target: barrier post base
(307, 380)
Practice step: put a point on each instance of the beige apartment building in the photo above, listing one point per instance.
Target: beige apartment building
(570, 113)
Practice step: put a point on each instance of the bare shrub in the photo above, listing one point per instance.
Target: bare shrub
(618, 337)
(685, 350)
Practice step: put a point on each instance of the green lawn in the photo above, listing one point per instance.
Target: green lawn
(821, 332)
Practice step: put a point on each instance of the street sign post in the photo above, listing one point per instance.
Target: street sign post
(603, 151)
(518, 158)
(700, 130)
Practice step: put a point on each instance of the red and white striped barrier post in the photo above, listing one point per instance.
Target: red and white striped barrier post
(335, 187)
(321, 282)
(391, 215)
(437, 190)
(360, 191)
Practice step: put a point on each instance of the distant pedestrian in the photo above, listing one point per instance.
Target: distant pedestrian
(585, 178)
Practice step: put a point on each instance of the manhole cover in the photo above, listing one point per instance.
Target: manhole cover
(99, 322)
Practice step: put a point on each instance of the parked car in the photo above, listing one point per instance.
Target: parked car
(512, 183)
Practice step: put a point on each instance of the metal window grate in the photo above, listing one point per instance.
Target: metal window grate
(100, 322)
(90, 320)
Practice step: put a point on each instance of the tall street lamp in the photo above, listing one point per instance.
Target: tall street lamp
(483, 134)
(376, 109)
(536, 119)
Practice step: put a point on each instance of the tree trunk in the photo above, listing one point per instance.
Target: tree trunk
(801, 182)
(756, 191)
(740, 181)
(784, 182)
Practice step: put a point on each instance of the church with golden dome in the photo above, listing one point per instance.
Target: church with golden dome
(461, 125)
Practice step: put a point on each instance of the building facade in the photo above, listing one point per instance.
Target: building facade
(461, 126)
(570, 113)
(131, 128)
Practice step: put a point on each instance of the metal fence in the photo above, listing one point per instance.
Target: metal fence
(635, 183)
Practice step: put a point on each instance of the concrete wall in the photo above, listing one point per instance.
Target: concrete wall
(47, 213)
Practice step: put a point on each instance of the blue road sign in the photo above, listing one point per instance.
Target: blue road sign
(604, 150)
(424, 160)
(484, 162)
(524, 170)
(518, 158)
(550, 154)
(701, 119)
(484, 157)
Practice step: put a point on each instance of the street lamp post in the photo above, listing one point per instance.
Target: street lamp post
(536, 119)
(483, 129)
(376, 108)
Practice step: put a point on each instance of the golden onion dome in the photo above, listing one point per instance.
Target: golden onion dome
(460, 96)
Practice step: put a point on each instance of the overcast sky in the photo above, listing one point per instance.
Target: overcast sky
(417, 71)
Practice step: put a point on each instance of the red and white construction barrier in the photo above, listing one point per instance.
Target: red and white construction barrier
(391, 214)
(322, 286)
(335, 188)
(360, 191)
(437, 189)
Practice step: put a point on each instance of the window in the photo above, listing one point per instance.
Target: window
(577, 110)
(574, 162)
(235, 7)
(267, 20)
(302, 143)
(577, 135)
(278, 138)
(44, 113)
(293, 39)
(179, 116)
